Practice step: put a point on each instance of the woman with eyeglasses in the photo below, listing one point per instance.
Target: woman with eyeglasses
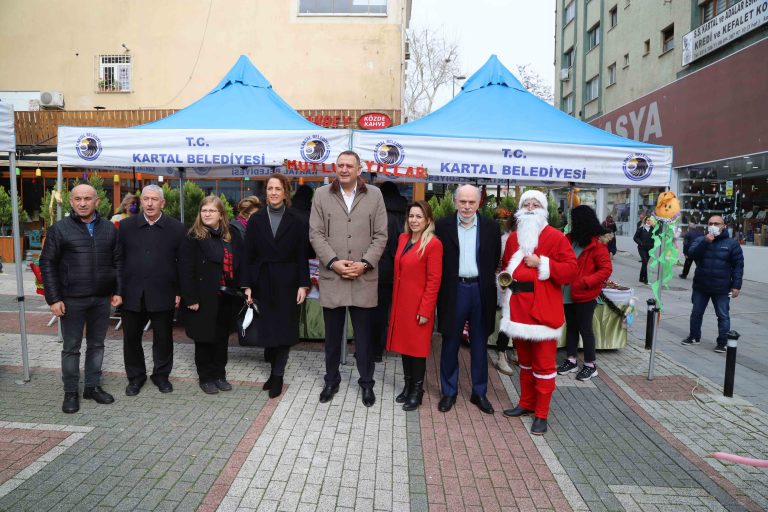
(210, 272)
(276, 276)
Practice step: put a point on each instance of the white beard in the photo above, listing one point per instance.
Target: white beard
(529, 226)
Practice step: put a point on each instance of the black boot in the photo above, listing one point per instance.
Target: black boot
(403, 396)
(277, 386)
(414, 397)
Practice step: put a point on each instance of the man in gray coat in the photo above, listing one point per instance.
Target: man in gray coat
(348, 230)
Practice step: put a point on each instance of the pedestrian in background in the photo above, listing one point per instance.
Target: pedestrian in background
(418, 267)
(719, 271)
(150, 245)
(644, 240)
(80, 264)
(593, 263)
(245, 208)
(610, 228)
(128, 206)
(396, 206)
(210, 273)
(276, 276)
(348, 230)
(691, 234)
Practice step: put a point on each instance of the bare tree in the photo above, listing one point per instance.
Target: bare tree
(431, 66)
(535, 84)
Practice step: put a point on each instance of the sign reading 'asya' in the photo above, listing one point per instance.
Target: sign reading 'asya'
(734, 22)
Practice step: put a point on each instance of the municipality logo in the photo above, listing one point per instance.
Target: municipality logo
(88, 147)
(315, 148)
(389, 152)
(637, 166)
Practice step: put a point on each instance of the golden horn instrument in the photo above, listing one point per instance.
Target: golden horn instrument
(505, 280)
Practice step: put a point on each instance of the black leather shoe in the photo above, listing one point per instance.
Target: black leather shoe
(482, 403)
(517, 412)
(539, 427)
(71, 402)
(446, 403)
(327, 393)
(133, 388)
(98, 395)
(268, 384)
(209, 388)
(223, 384)
(163, 384)
(277, 387)
(368, 397)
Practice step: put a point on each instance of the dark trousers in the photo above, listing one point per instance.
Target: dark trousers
(468, 307)
(211, 355)
(278, 359)
(162, 343)
(414, 367)
(364, 349)
(578, 320)
(380, 324)
(687, 266)
(502, 341)
(644, 257)
(722, 305)
(92, 315)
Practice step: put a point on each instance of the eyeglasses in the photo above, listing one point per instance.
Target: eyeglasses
(209, 212)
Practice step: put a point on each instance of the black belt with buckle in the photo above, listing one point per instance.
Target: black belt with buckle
(521, 286)
(468, 279)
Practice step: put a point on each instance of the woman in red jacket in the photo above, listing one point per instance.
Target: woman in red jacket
(418, 269)
(594, 267)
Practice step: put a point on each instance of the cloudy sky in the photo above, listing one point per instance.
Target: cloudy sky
(517, 31)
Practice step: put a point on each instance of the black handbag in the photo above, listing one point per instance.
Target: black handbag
(249, 336)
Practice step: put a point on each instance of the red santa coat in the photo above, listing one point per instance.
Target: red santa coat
(539, 315)
(416, 283)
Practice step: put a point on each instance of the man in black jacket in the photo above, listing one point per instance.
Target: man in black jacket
(80, 264)
(692, 234)
(150, 243)
(471, 251)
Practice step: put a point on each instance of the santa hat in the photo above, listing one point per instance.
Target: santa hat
(533, 194)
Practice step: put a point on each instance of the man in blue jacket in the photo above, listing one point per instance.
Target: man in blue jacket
(719, 269)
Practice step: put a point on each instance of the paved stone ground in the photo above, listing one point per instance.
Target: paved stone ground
(618, 442)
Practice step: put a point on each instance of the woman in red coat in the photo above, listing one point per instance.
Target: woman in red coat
(418, 268)
(593, 262)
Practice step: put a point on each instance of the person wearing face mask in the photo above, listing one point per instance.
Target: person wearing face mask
(209, 264)
(418, 266)
(277, 275)
(471, 249)
(129, 206)
(644, 240)
(719, 270)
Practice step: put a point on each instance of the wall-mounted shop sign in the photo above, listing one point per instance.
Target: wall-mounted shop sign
(374, 121)
(732, 23)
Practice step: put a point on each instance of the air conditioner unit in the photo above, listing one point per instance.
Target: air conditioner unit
(52, 99)
(565, 74)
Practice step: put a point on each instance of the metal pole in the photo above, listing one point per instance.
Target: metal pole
(59, 216)
(649, 323)
(181, 195)
(653, 317)
(19, 264)
(730, 363)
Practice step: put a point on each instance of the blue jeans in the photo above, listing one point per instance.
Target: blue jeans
(92, 315)
(721, 302)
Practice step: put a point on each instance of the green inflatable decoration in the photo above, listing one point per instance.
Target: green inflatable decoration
(665, 257)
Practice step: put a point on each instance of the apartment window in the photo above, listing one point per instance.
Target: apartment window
(612, 74)
(570, 12)
(646, 47)
(593, 88)
(113, 73)
(593, 36)
(343, 7)
(613, 16)
(626, 60)
(568, 58)
(668, 39)
(712, 8)
(568, 104)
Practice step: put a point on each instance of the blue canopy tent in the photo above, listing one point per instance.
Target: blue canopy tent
(494, 128)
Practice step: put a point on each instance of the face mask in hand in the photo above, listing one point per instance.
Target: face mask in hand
(713, 230)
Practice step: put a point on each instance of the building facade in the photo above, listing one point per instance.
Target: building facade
(684, 73)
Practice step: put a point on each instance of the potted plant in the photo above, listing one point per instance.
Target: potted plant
(6, 225)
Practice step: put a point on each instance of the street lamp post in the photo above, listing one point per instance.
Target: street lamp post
(453, 84)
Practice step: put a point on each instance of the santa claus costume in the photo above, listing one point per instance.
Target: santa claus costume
(540, 260)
